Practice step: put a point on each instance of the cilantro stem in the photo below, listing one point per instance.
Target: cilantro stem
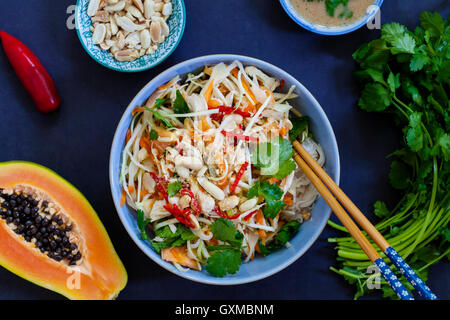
(337, 226)
(434, 260)
(430, 209)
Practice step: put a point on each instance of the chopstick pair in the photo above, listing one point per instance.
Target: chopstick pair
(324, 184)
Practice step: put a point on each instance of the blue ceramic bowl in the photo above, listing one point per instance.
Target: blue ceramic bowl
(261, 267)
(176, 23)
(327, 30)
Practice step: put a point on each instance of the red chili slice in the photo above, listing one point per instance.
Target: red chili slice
(180, 215)
(224, 110)
(239, 176)
(194, 204)
(226, 216)
(248, 217)
(280, 87)
(160, 186)
(244, 114)
(31, 73)
(240, 136)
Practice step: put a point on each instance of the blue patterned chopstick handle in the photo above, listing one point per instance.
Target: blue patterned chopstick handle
(410, 275)
(393, 281)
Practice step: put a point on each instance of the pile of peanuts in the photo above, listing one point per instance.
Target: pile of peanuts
(129, 29)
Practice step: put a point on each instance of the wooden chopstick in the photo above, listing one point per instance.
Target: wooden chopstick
(349, 224)
(376, 236)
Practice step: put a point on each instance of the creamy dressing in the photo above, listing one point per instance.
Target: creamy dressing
(315, 11)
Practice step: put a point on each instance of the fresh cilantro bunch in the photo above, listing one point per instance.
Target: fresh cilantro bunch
(225, 258)
(406, 75)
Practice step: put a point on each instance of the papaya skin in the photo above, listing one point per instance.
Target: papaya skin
(106, 275)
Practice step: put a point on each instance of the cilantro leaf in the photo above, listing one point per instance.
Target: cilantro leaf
(433, 23)
(399, 38)
(399, 175)
(374, 97)
(272, 208)
(225, 258)
(286, 233)
(298, 126)
(272, 194)
(269, 157)
(172, 239)
(393, 82)
(224, 230)
(285, 169)
(180, 106)
(418, 61)
(159, 103)
(222, 262)
(153, 135)
(380, 209)
(160, 117)
(414, 135)
(265, 189)
(142, 223)
(174, 188)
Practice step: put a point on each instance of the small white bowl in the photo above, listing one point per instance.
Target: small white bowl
(330, 30)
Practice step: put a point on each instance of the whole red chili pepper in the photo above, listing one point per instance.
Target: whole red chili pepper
(194, 204)
(226, 216)
(239, 176)
(31, 73)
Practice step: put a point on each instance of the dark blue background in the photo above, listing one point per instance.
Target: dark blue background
(75, 141)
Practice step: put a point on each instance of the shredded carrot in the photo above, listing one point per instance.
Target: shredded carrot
(268, 93)
(138, 110)
(209, 90)
(145, 143)
(130, 189)
(273, 180)
(214, 104)
(165, 86)
(288, 199)
(123, 198)
(205, 125)
(143, 193)
(257, 248)
(222, 184)
(128, 136)
(260, 219)
(283, 131)
(246, 86)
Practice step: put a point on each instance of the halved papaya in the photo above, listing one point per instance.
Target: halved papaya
(51, 236)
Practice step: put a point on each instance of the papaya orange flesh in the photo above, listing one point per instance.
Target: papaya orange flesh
(98, 275)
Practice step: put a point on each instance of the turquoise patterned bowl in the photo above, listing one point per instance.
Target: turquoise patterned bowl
(176, 23)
